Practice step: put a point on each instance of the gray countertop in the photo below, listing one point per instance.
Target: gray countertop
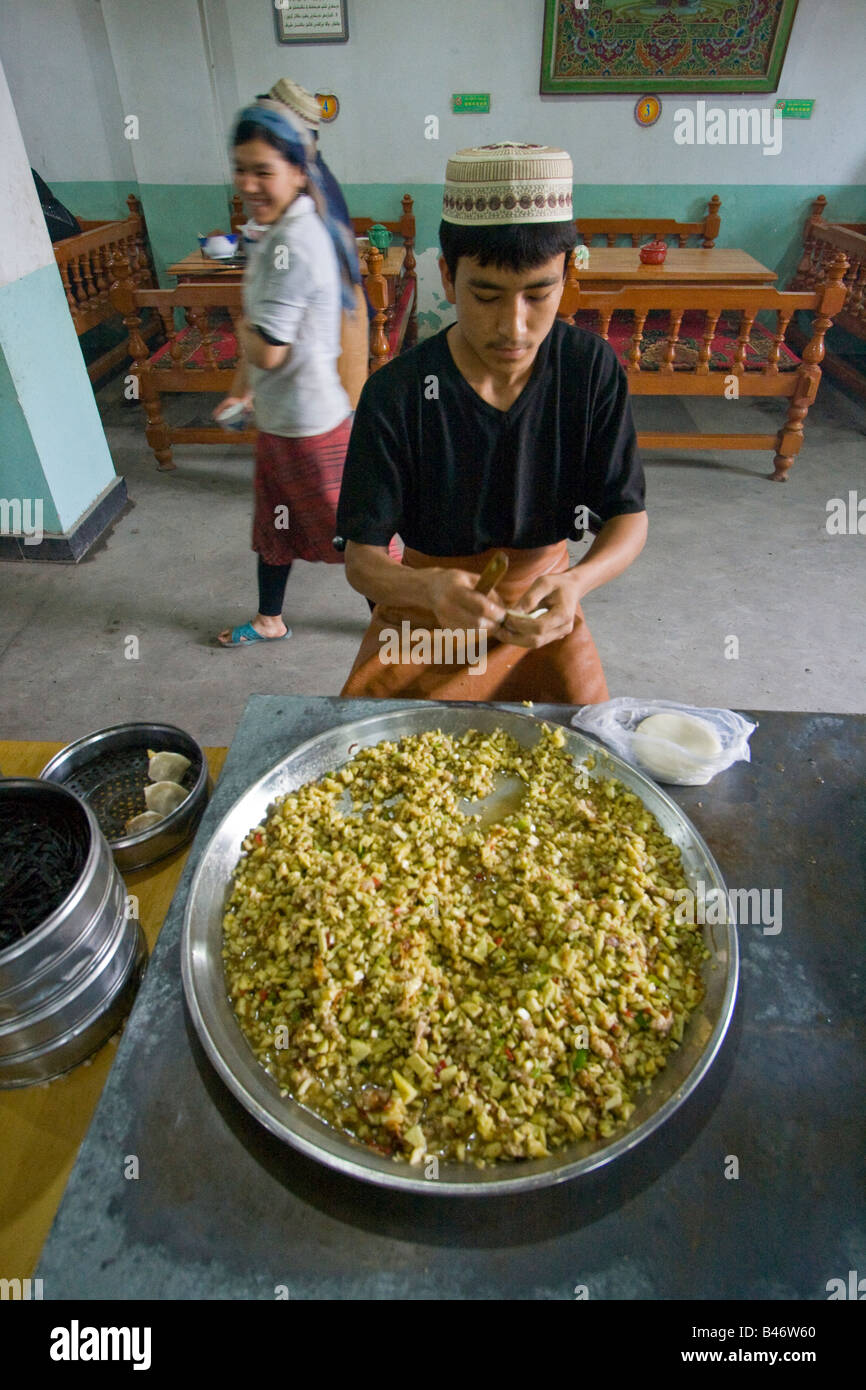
(221, 1209)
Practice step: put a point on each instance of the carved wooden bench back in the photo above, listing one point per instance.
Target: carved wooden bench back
(678, 374)
(85, 262)
(636, 230)
(822, 242)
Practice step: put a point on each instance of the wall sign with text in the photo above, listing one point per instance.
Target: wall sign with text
(311, 21)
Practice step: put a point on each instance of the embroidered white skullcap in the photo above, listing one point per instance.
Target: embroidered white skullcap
(506, 183)
(302, 102)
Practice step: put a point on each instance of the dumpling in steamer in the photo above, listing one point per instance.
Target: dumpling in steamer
(142, 822)
(164, 797)
(166, 767)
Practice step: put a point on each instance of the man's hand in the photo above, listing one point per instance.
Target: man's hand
(457, 603)
(560, 594)
(617, 544)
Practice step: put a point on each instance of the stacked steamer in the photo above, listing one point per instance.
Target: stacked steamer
(70, 958)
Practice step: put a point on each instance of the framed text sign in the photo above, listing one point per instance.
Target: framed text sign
(311, 21)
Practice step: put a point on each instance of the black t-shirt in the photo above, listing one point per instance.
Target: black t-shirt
(432, 461)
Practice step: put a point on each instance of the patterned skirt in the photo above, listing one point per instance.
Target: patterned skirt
(297, 487)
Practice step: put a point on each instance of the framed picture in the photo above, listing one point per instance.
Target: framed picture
(664, 45)
(311, 21)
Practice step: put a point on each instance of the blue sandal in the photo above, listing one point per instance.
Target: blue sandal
(246, 635)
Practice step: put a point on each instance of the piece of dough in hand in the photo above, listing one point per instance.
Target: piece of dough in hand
(536, 613)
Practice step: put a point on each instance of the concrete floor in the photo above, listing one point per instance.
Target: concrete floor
(729, 555)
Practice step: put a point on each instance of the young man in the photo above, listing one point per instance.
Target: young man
(490, 436)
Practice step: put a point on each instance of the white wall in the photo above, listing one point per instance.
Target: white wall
(61, 76)
(403, 60)
(159, 55)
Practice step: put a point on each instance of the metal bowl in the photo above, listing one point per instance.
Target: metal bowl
(67, 984)
(233, 1058)
(108, 770)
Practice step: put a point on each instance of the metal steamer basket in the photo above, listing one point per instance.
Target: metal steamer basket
(67, 985)
(108, 770)
(289, 1120)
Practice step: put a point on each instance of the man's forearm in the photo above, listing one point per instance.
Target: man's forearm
(371, 571)
(617, 545)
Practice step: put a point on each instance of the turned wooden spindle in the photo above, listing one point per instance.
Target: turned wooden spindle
(790, 437)
(103, 279)
(122, 296)
(747, 318)
(77, 286)
(634, 353)
(70, 297)
(833, 294)
(667, 365)
(166, 318)
(87, 272)
(711, 318)
(712, 222)
(409, 261)
(771, 366)
(377, 292)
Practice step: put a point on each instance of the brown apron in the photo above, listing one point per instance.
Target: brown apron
(567, 671)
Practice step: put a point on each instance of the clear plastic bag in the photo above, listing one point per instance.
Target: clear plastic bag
(685, 752)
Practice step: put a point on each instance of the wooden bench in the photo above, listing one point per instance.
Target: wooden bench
(823, 241)
(705, 340)
(200, 354)
(85, 263)
(636, 230)
(394, 298)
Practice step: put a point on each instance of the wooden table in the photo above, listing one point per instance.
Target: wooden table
(198, 267)
(225, 1211)
(612, 266)
(42, 1126)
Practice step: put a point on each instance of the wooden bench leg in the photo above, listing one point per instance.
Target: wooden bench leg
(157, 431)
(789, 440)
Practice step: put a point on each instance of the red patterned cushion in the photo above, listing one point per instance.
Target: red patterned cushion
(224, 346)
(690, 340)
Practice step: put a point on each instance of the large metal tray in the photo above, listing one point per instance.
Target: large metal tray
(233, 1058)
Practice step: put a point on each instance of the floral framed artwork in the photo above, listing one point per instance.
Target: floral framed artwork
(664, 45)
(311, 21)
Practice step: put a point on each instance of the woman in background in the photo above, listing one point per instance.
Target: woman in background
(297, 281)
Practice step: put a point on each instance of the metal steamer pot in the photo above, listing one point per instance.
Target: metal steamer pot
(67, 985)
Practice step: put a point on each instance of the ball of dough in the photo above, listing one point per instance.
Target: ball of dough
(675, 747)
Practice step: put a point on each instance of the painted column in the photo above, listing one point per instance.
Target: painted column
(58, 487)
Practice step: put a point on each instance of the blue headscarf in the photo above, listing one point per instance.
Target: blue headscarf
(281, 121)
